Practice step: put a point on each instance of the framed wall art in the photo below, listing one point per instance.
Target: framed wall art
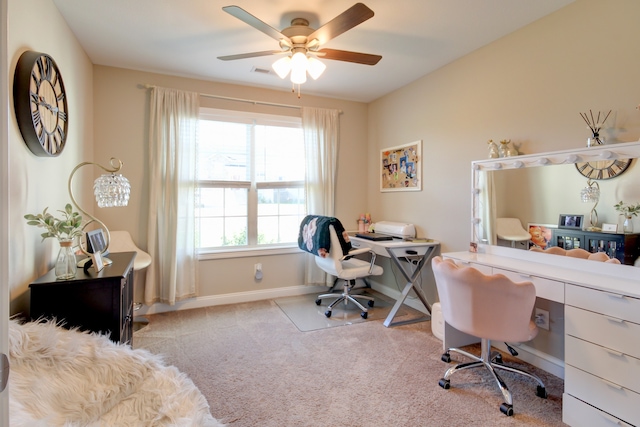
(541, 235)
(400, 167)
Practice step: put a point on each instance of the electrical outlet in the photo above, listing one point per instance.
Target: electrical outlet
(258, 271)
(542, 318)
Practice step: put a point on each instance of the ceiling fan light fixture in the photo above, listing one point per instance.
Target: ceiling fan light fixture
(315, 67)
(298, 68)
(282, 66)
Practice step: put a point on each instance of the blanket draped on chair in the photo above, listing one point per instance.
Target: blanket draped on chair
(315, 238)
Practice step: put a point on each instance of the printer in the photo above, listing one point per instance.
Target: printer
(401, 230)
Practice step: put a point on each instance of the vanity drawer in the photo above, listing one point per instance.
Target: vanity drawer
(616, 367)
(607, 331)
(604, 395)
(615, 305)
(545, 288)
(576, 413)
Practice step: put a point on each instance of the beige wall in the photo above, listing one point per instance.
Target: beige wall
(38, 182)
(121, 120)
(528, 87)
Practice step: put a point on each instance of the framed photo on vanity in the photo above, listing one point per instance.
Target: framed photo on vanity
(570, 221)
(401, 167)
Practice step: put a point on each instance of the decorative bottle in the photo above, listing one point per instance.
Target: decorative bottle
(493, 149)
(66, 263)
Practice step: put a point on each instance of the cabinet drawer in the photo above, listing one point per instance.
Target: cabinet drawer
(616, 367)
(616, 305)
(616, 400)
(545, 288)
(576, 413)
(607, 331)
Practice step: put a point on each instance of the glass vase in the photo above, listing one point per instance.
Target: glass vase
(594, 140)
(66, 263)
(627, 226)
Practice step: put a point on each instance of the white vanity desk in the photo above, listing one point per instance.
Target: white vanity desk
(602, 328)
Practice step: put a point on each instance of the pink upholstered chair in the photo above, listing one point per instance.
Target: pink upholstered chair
(490, 307)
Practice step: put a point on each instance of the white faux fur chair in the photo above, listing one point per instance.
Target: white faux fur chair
(67, 378)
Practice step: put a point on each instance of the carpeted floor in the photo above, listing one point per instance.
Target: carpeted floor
(257, 369)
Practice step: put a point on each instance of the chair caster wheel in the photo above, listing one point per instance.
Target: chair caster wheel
(506, 409)
(541, 392)
(318, 301)
(445, 384)
(498, 359)
(446, 357)
(327, 313)
(364, 314)
(370, 303)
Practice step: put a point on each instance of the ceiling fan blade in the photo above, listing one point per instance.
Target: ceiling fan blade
(355, 15)
(256, 23)
(345, 55)
(251, 55)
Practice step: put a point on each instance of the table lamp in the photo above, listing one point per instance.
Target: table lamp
(591, 194)
(110, 190)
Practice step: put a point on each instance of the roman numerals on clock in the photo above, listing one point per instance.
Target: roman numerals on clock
(41, 103)
(603, 169)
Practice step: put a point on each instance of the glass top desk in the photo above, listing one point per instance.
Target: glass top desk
(396, 250)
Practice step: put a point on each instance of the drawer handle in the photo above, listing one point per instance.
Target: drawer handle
(610, 384)
(613, 352)
(613, 420)
(614, 319)
(617, 296)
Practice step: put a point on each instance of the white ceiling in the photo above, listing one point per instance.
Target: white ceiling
(185, 37)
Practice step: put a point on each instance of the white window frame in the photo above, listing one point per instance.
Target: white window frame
(252, 248)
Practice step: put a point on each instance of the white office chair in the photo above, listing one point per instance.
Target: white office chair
(332, 260)
(491, 307)
(511, 229)
(121, 241)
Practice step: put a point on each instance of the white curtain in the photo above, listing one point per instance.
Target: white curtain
(173, 124)
(321, 151)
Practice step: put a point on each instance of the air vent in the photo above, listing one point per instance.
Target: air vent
(261, 70)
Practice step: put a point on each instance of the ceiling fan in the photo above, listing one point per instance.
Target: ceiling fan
(302, 44)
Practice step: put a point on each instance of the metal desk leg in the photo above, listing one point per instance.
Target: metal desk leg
(411, 284)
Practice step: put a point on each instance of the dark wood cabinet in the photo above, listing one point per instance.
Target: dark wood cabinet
(625, 247)
(98, 302)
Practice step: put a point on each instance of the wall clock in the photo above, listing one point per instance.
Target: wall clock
(603, 169)
(40, 104)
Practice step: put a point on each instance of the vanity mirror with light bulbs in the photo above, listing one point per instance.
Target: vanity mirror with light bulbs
(538, 188)
(590, 339)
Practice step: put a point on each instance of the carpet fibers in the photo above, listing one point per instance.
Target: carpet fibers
(256, 368)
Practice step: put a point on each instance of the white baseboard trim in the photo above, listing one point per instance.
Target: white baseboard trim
(541, 360)
(233, 298)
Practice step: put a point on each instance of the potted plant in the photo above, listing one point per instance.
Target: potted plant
(65, 229)
(628, 211)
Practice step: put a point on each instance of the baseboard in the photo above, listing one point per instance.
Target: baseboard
(541, 360)
(233, 298)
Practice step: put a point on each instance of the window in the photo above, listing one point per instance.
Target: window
(251, 175)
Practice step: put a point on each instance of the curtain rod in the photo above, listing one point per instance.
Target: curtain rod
(249, 101)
